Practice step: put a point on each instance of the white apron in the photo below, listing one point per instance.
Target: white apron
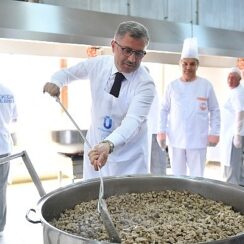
(128, 159)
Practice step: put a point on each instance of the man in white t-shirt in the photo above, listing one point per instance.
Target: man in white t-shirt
(8, 114)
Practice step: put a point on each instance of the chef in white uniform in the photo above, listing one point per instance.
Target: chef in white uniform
(8, 114)
(232, 130)
(189, 116)
(118, 133)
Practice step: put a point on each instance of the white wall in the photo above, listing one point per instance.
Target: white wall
(38, 114)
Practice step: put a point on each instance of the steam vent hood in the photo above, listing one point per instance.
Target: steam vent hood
(41, 29)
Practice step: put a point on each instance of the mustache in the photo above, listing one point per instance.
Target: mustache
(130, 63)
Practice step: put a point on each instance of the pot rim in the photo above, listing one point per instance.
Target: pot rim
(96, 182)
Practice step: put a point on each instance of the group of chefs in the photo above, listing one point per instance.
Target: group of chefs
(123, 92)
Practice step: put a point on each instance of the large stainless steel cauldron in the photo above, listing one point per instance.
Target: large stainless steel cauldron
(52, 204)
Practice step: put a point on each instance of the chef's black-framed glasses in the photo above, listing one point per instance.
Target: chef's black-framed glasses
(126, 51)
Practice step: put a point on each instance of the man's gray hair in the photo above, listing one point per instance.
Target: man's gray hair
(135, 30)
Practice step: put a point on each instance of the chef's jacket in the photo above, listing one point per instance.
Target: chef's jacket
(233, 105)
(189, 112)
(8, 114)
(122, 120)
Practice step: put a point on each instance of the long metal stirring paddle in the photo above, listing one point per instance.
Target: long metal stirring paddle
(102, 206)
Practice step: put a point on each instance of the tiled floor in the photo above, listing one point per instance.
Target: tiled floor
(22, 197)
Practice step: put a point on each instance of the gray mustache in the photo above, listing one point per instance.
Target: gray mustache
(130, 63)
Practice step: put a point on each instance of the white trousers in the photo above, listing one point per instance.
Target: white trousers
(189, 162)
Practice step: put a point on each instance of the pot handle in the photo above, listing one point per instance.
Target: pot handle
(29, 219)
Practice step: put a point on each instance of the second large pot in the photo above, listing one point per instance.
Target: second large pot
(52, 204)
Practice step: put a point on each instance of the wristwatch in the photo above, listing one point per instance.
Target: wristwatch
(111, 145)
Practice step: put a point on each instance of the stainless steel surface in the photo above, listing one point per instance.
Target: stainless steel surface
(218, 47)
(67, 137)
(52, 204)
(29, 167)
(102, 206)
(28, 233)
(68, 141)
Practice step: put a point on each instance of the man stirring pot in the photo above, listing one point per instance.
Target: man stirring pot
(118, 132)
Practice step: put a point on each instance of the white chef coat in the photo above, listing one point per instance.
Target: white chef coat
(189, 112)
(8, 114)
(233, 105)
(122, 120)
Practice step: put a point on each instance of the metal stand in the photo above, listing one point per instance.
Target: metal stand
(30, 168)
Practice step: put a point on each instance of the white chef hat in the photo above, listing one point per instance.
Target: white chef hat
(235, 70)
(190, 48)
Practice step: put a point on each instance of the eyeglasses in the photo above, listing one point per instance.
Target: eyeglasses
(126, 51)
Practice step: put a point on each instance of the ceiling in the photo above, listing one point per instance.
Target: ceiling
(40, 29)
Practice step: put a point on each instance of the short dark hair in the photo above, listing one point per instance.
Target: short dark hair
(135, 30)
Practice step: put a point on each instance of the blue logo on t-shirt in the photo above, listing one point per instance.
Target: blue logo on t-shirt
(107, 122)
(6, 99)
